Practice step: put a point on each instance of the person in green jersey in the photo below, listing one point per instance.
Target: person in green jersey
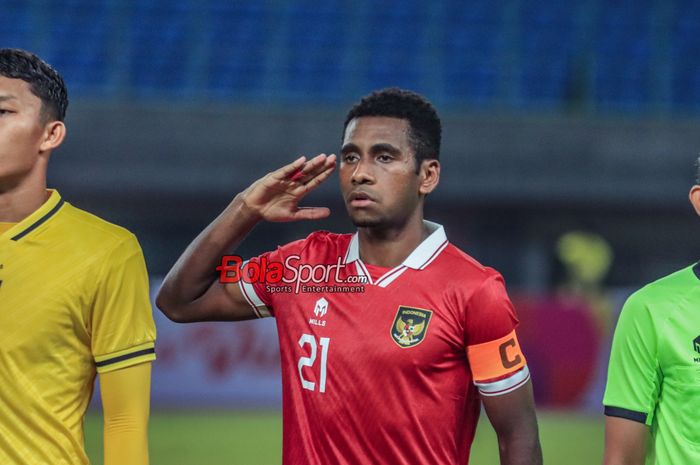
(652, 397)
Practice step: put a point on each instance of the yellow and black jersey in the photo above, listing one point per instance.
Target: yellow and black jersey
(74, 302)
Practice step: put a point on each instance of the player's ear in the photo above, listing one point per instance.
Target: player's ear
(429, 173)
(694, 197)
(54, 133)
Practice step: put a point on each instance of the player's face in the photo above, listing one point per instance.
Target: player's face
(377, 173)
(22, 129)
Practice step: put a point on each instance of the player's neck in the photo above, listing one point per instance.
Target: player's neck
(389, 247)
(19, 199)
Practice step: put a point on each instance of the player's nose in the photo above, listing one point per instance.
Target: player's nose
(362, 174)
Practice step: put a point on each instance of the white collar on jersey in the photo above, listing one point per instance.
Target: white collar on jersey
(419, 259)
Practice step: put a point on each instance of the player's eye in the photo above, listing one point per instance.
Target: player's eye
(350, 158)
(385, 158)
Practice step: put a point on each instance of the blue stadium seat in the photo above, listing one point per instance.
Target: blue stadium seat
(158, 40)
(472, 41)
(623, 71)
(394, 39)
(316, 43)
(16, 24)
(685, 56)
(238, 37)
(78, 44)
(547, 52)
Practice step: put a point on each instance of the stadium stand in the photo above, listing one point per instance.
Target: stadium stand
(77, 42)
(314, 63)
(623, 50)
(238, 35)
(16, 30)
(620, 56)
(473, 39)
(547, 54)
(685, 56)
(159, 40)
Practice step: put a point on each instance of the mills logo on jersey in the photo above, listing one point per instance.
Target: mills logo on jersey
(410, 326)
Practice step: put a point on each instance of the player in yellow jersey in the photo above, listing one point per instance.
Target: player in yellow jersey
(73, 295)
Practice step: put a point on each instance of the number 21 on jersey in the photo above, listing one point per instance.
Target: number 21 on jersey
(324, 342)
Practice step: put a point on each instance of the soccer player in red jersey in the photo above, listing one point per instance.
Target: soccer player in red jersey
(390, 350)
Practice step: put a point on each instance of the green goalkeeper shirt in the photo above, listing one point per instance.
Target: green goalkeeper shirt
(654, 372)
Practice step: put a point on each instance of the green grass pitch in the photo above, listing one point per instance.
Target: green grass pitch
(255, 438)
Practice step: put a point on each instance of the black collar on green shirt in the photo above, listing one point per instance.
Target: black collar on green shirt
(696, 269)
(38, 222)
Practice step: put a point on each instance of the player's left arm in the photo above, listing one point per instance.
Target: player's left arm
(625, 441)
(123, 345)
(500, 372)
(512, 416)
(126, 406)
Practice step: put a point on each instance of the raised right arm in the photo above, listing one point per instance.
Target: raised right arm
(191, 290)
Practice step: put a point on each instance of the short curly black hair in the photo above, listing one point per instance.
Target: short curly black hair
(43, 80)
(425, 126)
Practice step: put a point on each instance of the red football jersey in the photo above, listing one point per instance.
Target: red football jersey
(386, 372)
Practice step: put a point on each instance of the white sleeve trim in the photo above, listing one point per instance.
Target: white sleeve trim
(260, 309)
(506, 385)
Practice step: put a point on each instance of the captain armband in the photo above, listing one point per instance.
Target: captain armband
(498, 367)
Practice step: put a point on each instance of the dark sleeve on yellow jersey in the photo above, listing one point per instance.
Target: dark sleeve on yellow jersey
(122, 329)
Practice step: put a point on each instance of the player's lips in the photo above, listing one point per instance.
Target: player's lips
(360, 199)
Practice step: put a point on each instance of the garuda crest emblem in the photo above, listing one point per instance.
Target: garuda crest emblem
(410, 326)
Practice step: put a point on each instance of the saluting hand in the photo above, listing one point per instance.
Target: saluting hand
(276, 196)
